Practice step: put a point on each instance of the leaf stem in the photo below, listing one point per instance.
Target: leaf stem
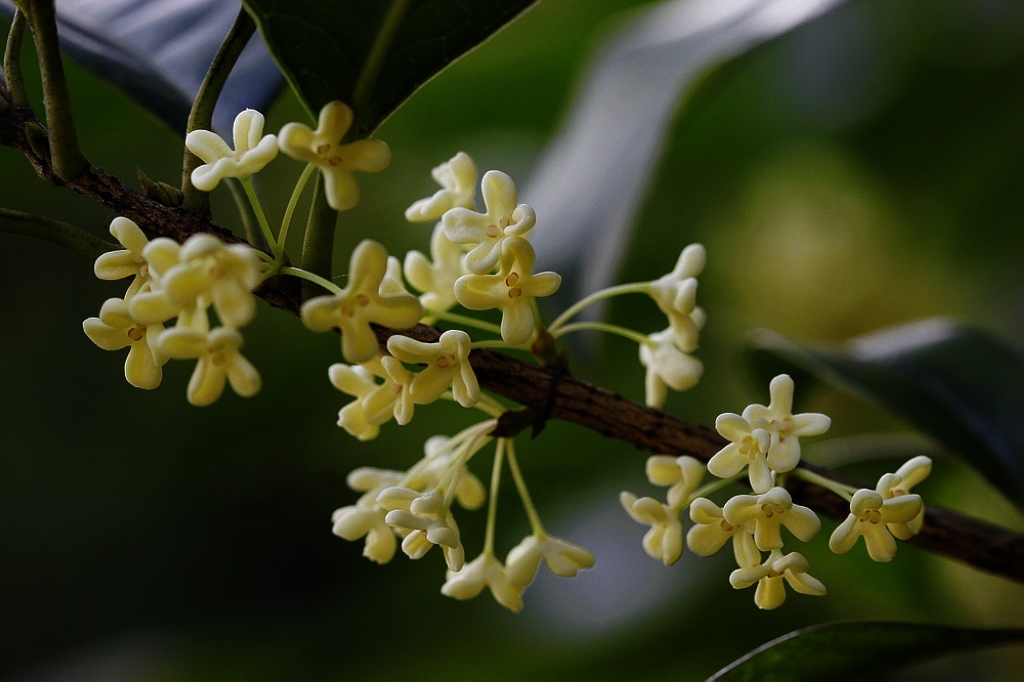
(65, 154)
(74, 239)
(201, 116)
(12, 61)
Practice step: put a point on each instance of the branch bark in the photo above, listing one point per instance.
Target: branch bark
(549, 394)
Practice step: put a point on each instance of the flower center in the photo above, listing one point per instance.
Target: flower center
(446, 361)
(323, 150)
(871, 516)
(136, 333)
(493, 232)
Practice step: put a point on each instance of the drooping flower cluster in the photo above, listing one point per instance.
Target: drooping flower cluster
(765, 444)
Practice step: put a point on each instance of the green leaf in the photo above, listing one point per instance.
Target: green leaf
(373, 54)
(832, 651)
(959, 384)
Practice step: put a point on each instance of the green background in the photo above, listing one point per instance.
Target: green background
(859, 172)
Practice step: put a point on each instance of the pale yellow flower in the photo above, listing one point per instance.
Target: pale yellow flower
(447, 365)
(769, 576)
(457, 178)
(252, 151)
(484, 571)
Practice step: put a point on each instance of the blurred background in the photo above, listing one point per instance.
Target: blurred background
(860, 171)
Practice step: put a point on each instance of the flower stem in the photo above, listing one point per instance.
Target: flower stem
(261, 217)
(65, 154)
(310, 277)
(463, 320)
(287, 220)
(492, 507)
(619, 290)
(318, 245)
(711, 487)
(201, 116)
(12, 61)
(844, 491)
(524, 494)
(603, 327)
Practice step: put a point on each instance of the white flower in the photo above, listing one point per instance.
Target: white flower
(115, 329)
(681, 474)
(359, 382)
(354, 522)
(871, 512)
(487, 231)
(457, 178)
(362, 303)
(336, 161)
(676, 293)
(219, 361)
(749, 447)
(771, 593)
(910, 474)
(252, 151)
(129, 262)
(711, 531)
(436, 279)
(785, 427)
(667, 366)
(447, 364)
(510, 290)
(664, 541)
(425, 520)
(484, 571)
(563, 558)
(770, 512)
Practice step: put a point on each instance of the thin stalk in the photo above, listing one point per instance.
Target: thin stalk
(603, 327)
(201, 116)
(12, 61)
(844, 491)
(464, 320)
(318, 245)
(517, 476)
(292, 202)
(492, 507)
(261, 217)
(310, 277)
(578, 306)
(74, 239)
(246, 213)
(65, 154)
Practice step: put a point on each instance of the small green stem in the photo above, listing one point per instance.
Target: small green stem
(201, 116)
(524, 494)
(603, 327)
(844, 491)
(492, 507)
(246, 213)
(464, 320)
(292, 202)
(318, 245)
(261, 217)
(575, 308)
(711, 487)
(12, 61)
(310, 277)
(74, 239)
(65, 154)
(498, 344)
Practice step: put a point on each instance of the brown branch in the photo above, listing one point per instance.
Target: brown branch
(547, 392)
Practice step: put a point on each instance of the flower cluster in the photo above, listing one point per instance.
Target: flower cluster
(187, 282)
(764, 444)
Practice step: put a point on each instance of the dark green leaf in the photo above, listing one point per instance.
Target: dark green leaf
(373, 54)
(835, 651)
(958, 384)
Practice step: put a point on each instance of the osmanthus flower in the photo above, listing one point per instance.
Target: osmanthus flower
(871, 513)
(128, 262)
(220, 362)
(913, 472)
(362, 303)
(436, 280)
(667, 367)
(360, 382)
(785, 427)
(711, 531)
(676, 295)
(769, 576)
(682, 475)
(770, 512)
(447, 364)
(115, 329)
(511, 290)
(749, 447)
(336, 161)
(563, 558)
(253, 150)
(488, 231)
(484, 571)
(425, 520)
(457, 178)
(664, 540)
(366, 517)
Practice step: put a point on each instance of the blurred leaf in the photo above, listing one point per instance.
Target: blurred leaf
(958, 384)
(589, 185)
(833, 651)
(377, 51)
(158, 53)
